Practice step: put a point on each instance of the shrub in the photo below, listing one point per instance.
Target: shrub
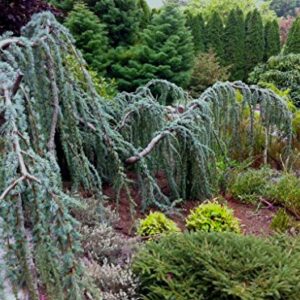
(207, 71)
(212, 217)
(286, 191)
(103, 243)
(281, 222)
(114, 281)
(219, 266)
(250, 185)
(156, 224)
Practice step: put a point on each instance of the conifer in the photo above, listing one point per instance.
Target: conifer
(234, 41)
(272, 39)
(293, 41)
(90, 36)
(215, 31)
(254, 41)
(166, 52)
(197, 26)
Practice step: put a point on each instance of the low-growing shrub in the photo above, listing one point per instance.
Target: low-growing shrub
(250, 185)
(223, 266)
(212, 216)
(115, 282)
(281, 222)
(102, 243)
(156, 223)
(286, 192)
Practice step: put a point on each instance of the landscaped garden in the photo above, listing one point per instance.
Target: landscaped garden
(149, 153)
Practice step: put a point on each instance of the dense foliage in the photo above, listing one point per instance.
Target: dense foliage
(283, 72)
(165, 51)
(90, 37)
(212, 217)
(156, 224)
(285, 7)
(219, 266)
(272, 39)
(293, 40)
(254, 41)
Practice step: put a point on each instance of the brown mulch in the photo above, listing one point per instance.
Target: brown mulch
(253, 220)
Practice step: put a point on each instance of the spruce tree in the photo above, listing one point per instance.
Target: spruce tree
(272, 39)
(234, 44)
(90, 36)
(197, 26)
(166, 52)
(215, 31)
(254, 41)
(293, 40)
(121, 17)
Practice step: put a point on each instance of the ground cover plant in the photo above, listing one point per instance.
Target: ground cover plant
(218, 266)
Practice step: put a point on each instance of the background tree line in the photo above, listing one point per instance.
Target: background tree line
(126, 41)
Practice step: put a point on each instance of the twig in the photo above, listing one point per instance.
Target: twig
(12, 186)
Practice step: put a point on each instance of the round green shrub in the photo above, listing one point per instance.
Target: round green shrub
(212, 217)
(223, 266)
(156, 223)
(250, 185)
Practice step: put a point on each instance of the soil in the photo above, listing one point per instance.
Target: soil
(253, 220)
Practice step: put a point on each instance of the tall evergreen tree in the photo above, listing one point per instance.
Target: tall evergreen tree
(254, 41)
(215, 31)
(90, 36)
(146, 13)
(272, 39)
(121, 17)
(293, 40)
(166, 52)
(197, 26)
(234, 44)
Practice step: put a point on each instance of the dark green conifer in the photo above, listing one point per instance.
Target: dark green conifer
(121, 17)
(215, 32)
(293, 41)
(90, 36)
(146, 13)
(197, 26)
(254, 41)
(234, 44)
(272, 39)
(165, 52)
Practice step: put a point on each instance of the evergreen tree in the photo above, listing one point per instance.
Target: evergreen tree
(272, 39)
(234, 43)
(166, 52)
(90, 36)
(254, 41)
(146, 13)
(197, 26)
(293, 40)
(121, 17)
(215, 31)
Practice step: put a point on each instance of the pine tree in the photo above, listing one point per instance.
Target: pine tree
(197, 26)
(254, 41)
(272, 39)
(121, 17)
(215, 31)
(234, 41)
(90, 36)
(166, 52)
(293, 40)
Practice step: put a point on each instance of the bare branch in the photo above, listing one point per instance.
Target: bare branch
(149, 148)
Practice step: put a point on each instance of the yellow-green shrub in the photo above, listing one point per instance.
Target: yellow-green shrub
(212, 217)
(156, 223)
